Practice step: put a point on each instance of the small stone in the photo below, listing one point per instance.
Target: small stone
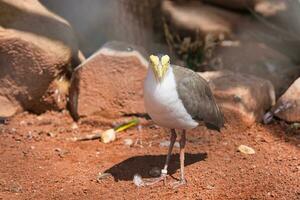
(102, 176)
(108, 136)
(50, 134)
(210, 187)
(246, 150)
(128, 142)
(74, 126)
(270, 194)
(61, 153)
(23, 123)
(39, 118)
(15, 188)
(166, 143)
(155, 172)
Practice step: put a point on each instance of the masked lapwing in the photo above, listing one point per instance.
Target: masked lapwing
(178, 98)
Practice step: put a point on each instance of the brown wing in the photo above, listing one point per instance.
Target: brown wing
(197, 98)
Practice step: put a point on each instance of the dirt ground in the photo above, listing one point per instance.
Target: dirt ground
(38, 161)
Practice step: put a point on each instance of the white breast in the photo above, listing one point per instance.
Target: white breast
(163, 104)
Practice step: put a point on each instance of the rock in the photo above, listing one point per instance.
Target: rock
(270, 8)
(235, 4)
(242, 97)
(194, 16)
(166, 143)
(292, 97)
(128, 142)
(36, 47)
(74, 126)
(109, 83)
(15, 187)
(245, 149)
(102, 176)
(132, 21)
(263, 7)
(108, 136)
(255, 58)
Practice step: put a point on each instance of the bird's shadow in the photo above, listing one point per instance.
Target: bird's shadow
(126, 169)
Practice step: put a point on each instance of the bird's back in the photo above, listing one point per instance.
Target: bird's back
(197, 98)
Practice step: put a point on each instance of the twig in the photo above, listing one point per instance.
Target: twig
(87, 137)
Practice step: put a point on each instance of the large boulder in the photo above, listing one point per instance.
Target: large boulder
(195, 17)
(264, 7)
(288, 105)
(235, 4)
(37, 46)
(256, 58)
(243, 98)
(109, 84)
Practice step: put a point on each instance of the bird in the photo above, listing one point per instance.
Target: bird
(179, 99)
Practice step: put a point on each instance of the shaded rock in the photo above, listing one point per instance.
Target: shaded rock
(257, 59)
(235, 4)
(194, 16)
(264, 7)
(290, 97)
(7, 107)
(36, 47)
(242, 98)
(109, 83)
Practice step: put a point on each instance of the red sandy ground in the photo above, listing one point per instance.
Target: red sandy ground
(37, 164)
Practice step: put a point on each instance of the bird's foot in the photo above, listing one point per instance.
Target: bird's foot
(178, 183)
(163, 177)
(156, 180)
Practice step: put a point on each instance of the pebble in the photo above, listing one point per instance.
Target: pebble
(128, 142)
(245, 149)
(74, 126)
(102, 176)
(15, 187)
(61, 153)
(23, 123)
(50, 134)
(166, 143)
(210, 187)
(155, 172)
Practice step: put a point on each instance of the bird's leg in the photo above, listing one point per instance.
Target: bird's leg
(181, 180)
(164, 171)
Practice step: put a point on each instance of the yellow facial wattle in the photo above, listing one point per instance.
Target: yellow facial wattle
(159, 66)
(165, 62)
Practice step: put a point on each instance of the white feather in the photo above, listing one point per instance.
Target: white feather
(163, 104)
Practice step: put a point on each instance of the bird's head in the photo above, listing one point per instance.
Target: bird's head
(159, 66)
